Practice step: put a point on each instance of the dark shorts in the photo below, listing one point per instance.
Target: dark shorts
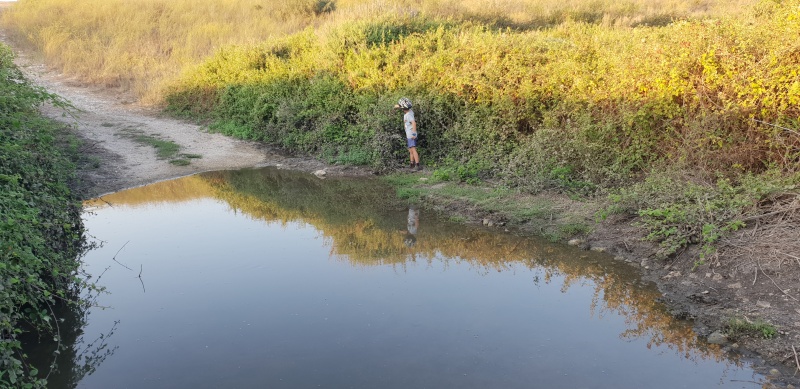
(412, 143)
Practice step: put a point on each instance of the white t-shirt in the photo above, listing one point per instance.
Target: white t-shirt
(408, 119)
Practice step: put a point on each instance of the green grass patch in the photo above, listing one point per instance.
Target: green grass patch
(413, 194)
(738, 327)
(180, 162)
(457, 219)
(676, 212)
(472, 194)
(504, 203)
(402, 179)
(574, 228)
(165, 149)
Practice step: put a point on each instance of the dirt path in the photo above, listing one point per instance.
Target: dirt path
(109, 122)
(108, 125)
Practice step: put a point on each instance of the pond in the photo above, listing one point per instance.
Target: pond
(267, 278)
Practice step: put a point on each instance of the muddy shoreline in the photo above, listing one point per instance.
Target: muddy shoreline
(710, 294)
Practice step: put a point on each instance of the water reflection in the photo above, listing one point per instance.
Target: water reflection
(412, 223)
(76, 355)
(362, 228)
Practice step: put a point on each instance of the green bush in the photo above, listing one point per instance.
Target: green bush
(577, 107)
(604, 103)
(677, 211)
(41, 232)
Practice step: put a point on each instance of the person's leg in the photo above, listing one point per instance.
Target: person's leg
(414, 155)
(411, 156)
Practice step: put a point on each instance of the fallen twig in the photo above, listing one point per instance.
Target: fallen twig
(770, 214)
(776, 126)
(104, 200)
(790, 256)
(796, 361)
(773, 282)
(755, 228)
(140, 278)
(115, 256)
(751, 382)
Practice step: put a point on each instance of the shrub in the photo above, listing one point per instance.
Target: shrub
(574, 107)
(739, 327)
(41, 232)
(678, 210)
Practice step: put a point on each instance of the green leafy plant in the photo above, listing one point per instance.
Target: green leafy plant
(739, 327)
(677, 213)
(41, 232)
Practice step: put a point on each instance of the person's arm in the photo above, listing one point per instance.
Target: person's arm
(414, 127)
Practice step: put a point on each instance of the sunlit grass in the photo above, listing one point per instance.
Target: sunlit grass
(140, 45)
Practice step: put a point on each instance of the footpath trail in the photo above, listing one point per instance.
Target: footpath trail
(109, 124)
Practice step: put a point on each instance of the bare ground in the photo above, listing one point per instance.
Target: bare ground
(755, 275)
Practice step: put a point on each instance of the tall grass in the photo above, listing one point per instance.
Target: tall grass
(141, 44)
(138, 44)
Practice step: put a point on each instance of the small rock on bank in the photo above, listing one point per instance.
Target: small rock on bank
(717, 337)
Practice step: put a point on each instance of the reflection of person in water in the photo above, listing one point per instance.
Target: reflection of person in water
(411, 228)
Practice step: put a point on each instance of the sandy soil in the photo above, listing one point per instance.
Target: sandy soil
(755, 276)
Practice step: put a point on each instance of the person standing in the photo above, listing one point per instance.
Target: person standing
(410, 125)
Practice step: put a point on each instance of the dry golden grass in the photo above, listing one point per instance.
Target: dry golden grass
(140, 45)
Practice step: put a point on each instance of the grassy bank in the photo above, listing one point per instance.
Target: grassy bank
(684, 114)
(41, 233)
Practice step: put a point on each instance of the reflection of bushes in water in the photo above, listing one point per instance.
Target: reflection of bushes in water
(172, 191)
(76, 357)
(365, 234)
(292, 196)
(357, 220)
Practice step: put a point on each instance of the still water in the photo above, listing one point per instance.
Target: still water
(273, 279)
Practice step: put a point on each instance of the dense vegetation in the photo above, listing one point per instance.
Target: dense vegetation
(684, 113)
(689, 124)
(142, 44)
(41, 233)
